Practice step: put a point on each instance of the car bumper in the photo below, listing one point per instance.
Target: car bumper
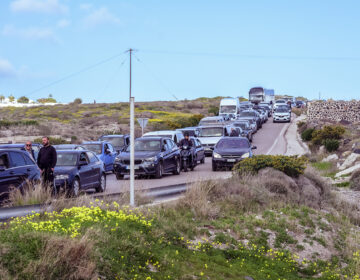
(61, 182)
(225, 162)
(141, 169)
(282, 119)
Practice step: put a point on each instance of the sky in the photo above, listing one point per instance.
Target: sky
(183, 49)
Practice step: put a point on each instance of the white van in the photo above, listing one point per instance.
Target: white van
(174, 135)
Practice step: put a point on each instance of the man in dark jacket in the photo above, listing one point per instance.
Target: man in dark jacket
(46, 161)
(185, 141)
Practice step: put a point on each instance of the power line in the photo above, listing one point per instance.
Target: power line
(156, 77)
(250, 56)
(76, 73)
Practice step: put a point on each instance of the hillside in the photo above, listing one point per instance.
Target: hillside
(78, 122)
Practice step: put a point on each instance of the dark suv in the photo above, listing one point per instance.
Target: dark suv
(16, 168)
(154, 156)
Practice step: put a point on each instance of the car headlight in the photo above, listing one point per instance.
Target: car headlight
(62, 177)
(150, 159)
(246, 155)
(216, 155)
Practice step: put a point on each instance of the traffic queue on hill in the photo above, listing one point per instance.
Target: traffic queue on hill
(226, 138)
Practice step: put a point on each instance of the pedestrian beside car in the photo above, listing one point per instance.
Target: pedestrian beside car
(47, 161)
(28, 148)
(234, 133)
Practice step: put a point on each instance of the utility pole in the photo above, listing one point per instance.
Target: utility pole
(132, 141)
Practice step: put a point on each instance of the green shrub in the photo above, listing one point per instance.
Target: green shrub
(331, 144)
(307, 134)
(327, 132)
(300, 124)
(7, 123)
(291, 165)
(214, 110)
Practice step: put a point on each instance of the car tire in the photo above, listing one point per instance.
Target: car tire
(214, 167)
(159, 170)
(119, 176)
(251, 138)
(75, 188)
(202, 161)
(102, 184)
(177, 167)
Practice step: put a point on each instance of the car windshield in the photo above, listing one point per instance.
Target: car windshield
(146, 146)
(241, 125)
(280, 101)
(66, 159)
(211, 132)
(228, 109)
(191, 132)
(282, 110)
(117, 142)
(247, 114)
(96, 148)
(232, 143)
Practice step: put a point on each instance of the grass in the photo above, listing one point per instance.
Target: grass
(226, 229)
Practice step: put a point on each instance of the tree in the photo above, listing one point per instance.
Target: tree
(77, 101)
(2, 98)
(23, 99)
(46, 100)
(11, 98)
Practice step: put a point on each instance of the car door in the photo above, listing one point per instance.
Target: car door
(172, 153)
(85, 171)
(112, 155)
(200, 150)
(31, 168)
(166, 155)
(95, 166)
(7, 176)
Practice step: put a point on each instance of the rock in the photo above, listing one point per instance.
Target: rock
(346, 153)
(356, 151)
(333, 157)
(310, 194)
(322, 150)
(356, 145)
(346, 141)
(350, 160)
(348, 170)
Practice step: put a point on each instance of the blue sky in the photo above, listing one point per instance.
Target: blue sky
(185, 49)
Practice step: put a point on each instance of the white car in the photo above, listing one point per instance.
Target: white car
(176, 136)
(279, 102)
(281, 114)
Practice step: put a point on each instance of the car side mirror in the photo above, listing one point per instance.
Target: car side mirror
(253, 148)
(2, 168)
(212, 148)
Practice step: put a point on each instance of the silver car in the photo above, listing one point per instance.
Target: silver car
(281, 115)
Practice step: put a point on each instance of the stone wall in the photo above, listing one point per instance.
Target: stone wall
(334, 110)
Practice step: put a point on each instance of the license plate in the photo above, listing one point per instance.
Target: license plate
(135, 167)
(231, 160)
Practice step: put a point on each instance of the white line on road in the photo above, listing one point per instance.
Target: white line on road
(281, 134)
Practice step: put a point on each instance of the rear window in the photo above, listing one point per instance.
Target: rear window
(117, 142)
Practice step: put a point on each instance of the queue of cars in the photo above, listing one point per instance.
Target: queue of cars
(84, 166)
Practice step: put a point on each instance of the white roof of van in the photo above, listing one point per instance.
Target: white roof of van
(161, 132)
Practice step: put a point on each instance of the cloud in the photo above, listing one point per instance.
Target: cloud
(6, 69)
(86, 6)
(63, 23)
(100, 16)
(35, 33)
(38, 6)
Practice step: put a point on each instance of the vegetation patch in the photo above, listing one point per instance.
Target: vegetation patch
(292, 166)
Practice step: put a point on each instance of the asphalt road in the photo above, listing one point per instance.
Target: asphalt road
(269, 140)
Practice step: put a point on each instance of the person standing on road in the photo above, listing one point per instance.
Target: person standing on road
(234, 133)
(46, 161)
(28, 148)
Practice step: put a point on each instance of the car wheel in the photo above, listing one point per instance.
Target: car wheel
(102, 184)
(177, 168)
(185, 167)
(214, 167)
(202, 161)
(75, 188)
(119, 176)
(159, 171)
(251, 138)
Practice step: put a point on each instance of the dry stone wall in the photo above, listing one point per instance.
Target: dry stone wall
(334, 110)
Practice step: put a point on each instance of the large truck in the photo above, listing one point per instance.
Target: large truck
(229, 108)
(261, 95)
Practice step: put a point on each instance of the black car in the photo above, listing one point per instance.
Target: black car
(199, 151)
(154, 156)
(230, 150)
(251, 114)
(246, 129)
(16, 169)
(78, 170)
(118, 141)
